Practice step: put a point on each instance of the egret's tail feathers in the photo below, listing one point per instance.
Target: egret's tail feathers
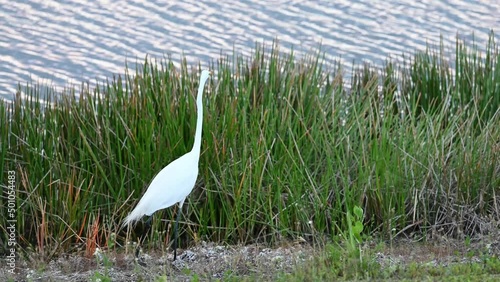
(134, 216)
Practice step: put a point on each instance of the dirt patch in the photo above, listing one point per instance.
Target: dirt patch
(437, 252)
(208, 261)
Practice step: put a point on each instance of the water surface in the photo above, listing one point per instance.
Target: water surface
(64, 42)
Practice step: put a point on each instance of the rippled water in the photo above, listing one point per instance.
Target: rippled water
(63, 42)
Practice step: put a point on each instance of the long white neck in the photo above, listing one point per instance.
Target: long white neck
(199, 106)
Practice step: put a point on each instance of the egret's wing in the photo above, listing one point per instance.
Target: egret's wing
(170, 186)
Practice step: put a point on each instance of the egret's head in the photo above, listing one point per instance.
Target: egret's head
(205, 74)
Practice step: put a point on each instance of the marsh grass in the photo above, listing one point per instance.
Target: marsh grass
(287, 150)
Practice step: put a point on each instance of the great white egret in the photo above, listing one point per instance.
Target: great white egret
(175, 181)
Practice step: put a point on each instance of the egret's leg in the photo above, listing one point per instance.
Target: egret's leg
(147, 227)
(145, 232)
(148, 223)
(175, 228)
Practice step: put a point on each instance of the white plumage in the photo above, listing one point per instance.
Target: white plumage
(170, 186)
(174, 182)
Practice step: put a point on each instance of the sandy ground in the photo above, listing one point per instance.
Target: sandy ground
(208, 261)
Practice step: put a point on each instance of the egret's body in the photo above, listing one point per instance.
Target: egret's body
(174, 182)
(168, 187)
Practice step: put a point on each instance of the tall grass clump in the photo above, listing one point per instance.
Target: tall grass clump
(288, 148)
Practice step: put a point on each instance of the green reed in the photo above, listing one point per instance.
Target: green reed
(287, 148)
